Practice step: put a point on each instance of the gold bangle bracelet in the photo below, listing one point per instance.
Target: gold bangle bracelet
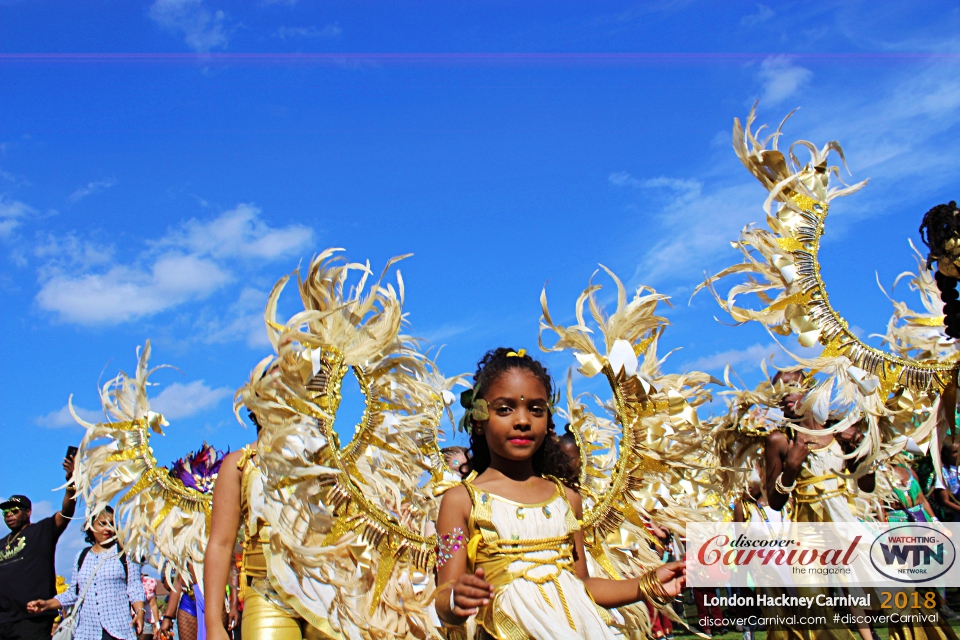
(650, 588)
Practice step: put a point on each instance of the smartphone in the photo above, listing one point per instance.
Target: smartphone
(71, 452)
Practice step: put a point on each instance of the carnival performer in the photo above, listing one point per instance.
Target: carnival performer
(510, 550)
(197, 471)
(808, 466)
(751, 508)
(182, 609)
(109, 585)
(811, 468)
(265, 613)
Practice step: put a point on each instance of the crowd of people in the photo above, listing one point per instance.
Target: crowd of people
(108, 596)
(536, 534)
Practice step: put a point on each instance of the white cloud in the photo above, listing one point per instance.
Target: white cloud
(61, 418)
(699, 230)
(684, 189)
(126, 293)
(781, 78)
(90, 189)
(12, 213)
(81, 282)
(331, 30)
(751, 356)
(761, 15)
(184, 400)
(202, 29)
(243, 321)
(239, 233)
(70, 252)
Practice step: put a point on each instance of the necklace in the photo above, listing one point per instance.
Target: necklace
(11, 538)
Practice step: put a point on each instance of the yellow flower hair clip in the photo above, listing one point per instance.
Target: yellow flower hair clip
(517, 354)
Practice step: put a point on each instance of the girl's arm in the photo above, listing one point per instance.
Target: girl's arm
(225, 521)
(170, 611)
(470, 590)
(617, 593)
(234, 617)
(136, 595)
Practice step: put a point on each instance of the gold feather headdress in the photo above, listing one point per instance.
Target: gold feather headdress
(781, 267)
(158, 519)
(357, 516)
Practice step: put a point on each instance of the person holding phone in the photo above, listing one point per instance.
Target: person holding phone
(27, 561)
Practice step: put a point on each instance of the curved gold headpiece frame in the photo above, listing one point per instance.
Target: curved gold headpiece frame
(835, 333)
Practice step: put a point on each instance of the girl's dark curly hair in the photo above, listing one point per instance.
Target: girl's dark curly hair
(940, 226)
(549, 459)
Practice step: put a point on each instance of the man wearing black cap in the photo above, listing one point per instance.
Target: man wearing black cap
(27, 563)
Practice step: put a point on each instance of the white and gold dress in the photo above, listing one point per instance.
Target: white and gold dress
(526, 552)
(822, 494)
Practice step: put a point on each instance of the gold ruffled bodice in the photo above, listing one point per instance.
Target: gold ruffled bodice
(541, 561)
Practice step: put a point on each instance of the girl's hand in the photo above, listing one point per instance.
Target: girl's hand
(673, 576)
(166, 628)
(470, 593)
(39, 606)
(796, 455)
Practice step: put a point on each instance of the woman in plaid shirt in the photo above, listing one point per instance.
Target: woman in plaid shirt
(105, 610)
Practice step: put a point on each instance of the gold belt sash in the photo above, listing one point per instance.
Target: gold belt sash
(818, 495)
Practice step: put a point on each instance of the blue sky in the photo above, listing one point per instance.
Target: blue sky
(162, 164)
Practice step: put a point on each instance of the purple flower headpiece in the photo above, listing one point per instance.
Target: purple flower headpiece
(199, 470)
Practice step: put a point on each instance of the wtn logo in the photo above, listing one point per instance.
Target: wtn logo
(922, 553)
(913, 553)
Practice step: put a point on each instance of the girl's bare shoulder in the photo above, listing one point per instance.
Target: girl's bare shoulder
(230, 466)
(456, 500)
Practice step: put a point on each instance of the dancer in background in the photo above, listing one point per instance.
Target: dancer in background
(265, 614)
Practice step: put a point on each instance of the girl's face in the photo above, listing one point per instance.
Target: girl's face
(102, 528)
(518, 407)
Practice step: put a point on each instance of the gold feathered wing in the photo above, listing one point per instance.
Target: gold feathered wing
(884, 389)
(781, 264)
(158, 519)
(649, 461)
(352, 522)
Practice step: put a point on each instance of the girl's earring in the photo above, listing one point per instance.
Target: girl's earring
(478, 431)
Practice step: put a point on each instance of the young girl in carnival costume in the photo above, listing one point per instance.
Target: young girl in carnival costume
(510, 550)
